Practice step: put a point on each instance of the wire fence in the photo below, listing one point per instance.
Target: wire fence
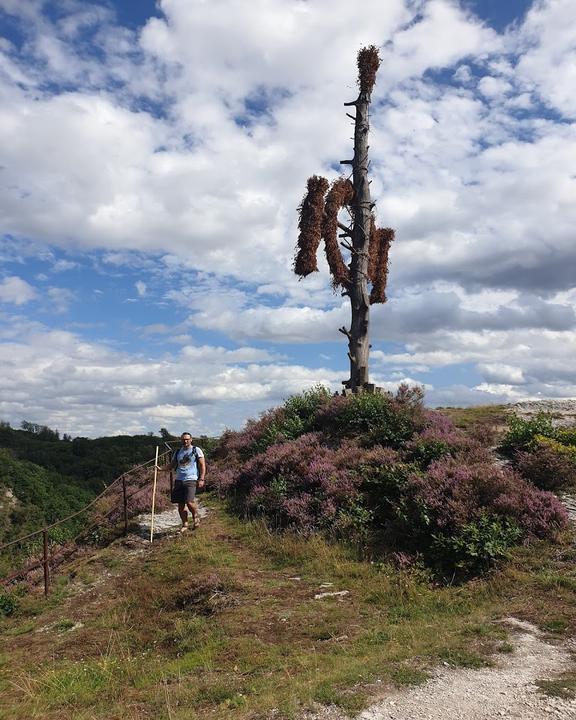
(35, 557)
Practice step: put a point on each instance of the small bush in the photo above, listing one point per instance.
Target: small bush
(464, 516)
(522, 432)
(378, 419)
(566, 436)
(8, 604)
(547, 465)
(384, 477)
(299, 484)
(476, 545)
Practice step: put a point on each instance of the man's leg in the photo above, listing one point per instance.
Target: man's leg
(193, 507)
(183, 515)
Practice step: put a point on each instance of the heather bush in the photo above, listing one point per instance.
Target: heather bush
(380, 469)
(301, 483)
(437, 438)
(376, 418)
(460, 515)
(548, 464)
(521, 432)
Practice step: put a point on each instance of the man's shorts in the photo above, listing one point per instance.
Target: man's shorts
(183, 492)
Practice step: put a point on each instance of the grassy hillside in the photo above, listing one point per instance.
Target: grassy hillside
(282, 601)
(226, 623)
(33, 496)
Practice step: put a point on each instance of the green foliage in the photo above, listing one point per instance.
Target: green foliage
(41, 497)
(383, 485)
(522, 432)
(379, 419)
(296, 417)
(8, 604)
(566, 436)
(476, 545)
(554, 443)
(543, 454)
(353, 523)
(91, 464)
(425, 452)
(41, 431)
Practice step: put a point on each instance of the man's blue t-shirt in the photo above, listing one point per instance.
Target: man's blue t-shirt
(187, 464)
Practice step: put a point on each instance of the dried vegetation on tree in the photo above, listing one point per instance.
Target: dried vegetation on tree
(367, 245)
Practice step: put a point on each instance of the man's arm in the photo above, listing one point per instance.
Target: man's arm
(201, 470)
(172, 464)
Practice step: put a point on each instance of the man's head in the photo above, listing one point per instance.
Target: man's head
(186, 439)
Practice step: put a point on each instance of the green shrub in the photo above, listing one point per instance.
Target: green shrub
(476, 545)
(522, 432)
(424, 452)
(567, 438)
(376, 418)
(295, 418)
(384, 479)
(353, 523)
(8, 604)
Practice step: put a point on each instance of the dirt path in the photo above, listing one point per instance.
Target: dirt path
(507, 690)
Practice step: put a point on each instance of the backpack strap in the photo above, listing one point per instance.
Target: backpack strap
(194, 455)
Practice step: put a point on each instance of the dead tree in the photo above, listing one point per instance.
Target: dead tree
(368, 245)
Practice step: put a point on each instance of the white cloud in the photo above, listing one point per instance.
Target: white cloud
(548, 60)
(53, 376)
(64, 265)
(501, 373)
(141, 288)
(60, 299)
(16, 291)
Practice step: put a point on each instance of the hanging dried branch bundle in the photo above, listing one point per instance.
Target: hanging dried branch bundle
(368, 64)
(339, 196)
(311, 212)
(373, 249)
(383, 238)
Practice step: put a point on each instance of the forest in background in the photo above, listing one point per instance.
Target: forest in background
(45, 477)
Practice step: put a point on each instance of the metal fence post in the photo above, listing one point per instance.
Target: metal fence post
(45, 563)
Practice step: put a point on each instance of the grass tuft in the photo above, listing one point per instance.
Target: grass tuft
(563, 687)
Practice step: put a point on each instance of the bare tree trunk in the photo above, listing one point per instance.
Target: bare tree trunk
(358, 343)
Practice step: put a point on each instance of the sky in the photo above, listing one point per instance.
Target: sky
(152, 159)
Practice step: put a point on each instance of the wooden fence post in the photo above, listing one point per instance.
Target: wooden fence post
(154, 496)
(45, 563)
(125, 506)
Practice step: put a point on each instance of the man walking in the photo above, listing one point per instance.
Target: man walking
(190, 466)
